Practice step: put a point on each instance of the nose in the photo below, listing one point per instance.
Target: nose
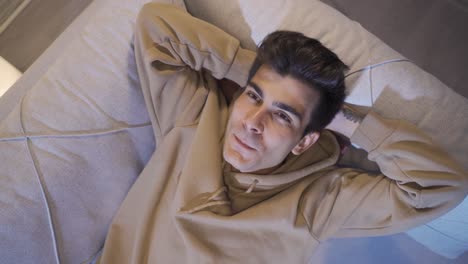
(254, 122)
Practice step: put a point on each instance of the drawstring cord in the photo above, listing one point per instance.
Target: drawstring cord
(215, 194)
(213, 200)
(252, 186)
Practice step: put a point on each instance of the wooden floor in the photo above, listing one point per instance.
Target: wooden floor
(35, 28)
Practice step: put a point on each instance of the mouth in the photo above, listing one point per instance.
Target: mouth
(243, 144)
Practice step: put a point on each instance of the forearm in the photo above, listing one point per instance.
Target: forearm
(407, 155)
(418, 182)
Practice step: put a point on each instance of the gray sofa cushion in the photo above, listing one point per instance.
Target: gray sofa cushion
(72, 146)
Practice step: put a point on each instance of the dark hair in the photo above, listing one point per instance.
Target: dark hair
(307, 60)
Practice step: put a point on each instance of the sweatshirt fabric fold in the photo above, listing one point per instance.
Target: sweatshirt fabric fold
(188, 206)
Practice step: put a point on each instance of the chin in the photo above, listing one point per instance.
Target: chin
(243, 169)
(236, 161)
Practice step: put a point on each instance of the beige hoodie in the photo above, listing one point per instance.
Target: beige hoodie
(187, 207)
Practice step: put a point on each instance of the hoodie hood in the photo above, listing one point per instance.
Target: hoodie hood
(247, 189)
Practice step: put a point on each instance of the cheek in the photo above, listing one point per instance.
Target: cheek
(280, 138)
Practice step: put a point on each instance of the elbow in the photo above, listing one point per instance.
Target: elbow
(153, 10)
(149, 12)
(443, 197)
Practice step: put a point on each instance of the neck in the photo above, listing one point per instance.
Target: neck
(264, 171)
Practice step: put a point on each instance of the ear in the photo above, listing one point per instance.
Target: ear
(305, 143)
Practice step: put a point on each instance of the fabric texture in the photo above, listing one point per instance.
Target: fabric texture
(99, 53)
(379, 79)
(181, 211)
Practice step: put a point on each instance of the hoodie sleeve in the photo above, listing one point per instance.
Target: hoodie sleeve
(172, 48)
(418, 182)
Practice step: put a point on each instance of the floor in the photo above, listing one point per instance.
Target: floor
(435, 39)
(35, 28)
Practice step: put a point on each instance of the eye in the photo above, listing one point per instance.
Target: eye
(284, 117)
(253, 96)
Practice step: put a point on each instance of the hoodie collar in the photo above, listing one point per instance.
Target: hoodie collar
(324, 153)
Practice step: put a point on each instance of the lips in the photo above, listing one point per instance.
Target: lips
(243, 144)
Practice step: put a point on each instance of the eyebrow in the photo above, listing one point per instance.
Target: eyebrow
(283, 106)
(256, 88)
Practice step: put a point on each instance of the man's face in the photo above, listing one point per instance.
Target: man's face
(268, 121)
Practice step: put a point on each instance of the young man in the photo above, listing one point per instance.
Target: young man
(255, 181)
